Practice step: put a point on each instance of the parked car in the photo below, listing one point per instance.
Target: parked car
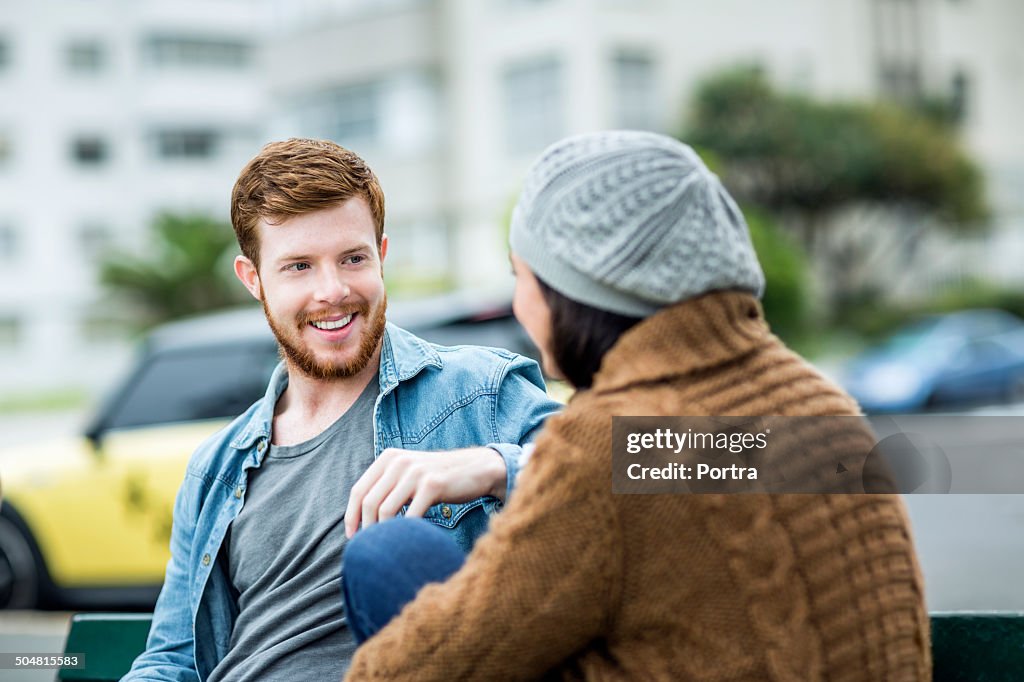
(85, 522)
(964, 357)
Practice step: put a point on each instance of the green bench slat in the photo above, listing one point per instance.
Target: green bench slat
(982, 646)
(110, 642)
(966, 646)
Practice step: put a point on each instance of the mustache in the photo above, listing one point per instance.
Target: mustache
(306, 317)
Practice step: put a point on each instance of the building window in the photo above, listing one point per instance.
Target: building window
(533, 105)
(6, 150)
(520, 4)
(85, 56)
(103, 329)
(959, 96)
(10, 330)
(350, 115)
(95, 241)
(89, 150)
(9, 243)
(187, 144)
(423, 255)
(898, 45)
(633, 79)
(900, 80)
(193, 51)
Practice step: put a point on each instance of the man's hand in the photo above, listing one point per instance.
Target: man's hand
(422, 479)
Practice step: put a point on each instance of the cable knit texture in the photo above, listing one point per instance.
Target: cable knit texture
(573, 582)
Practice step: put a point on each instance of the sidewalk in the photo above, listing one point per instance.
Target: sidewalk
(35, 632)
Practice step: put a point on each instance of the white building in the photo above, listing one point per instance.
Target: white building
(450, 99)
(110, 112)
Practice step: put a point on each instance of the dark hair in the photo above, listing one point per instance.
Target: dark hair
(581, 335)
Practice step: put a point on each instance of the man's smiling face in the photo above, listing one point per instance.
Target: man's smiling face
(321, 283)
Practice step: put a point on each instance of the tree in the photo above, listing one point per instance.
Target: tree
(785, 299)
(187, 270)
(812, 163)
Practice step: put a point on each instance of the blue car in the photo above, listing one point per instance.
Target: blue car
(970, 356)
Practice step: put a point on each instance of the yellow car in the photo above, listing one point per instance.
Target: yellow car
(85, 522)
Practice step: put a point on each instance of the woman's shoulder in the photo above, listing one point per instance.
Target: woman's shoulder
(575, 438)
(583, 430)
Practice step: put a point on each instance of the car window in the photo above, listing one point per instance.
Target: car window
(191, 384)
(988, 325)
(911, 337)
(500, 332)
(987, 351)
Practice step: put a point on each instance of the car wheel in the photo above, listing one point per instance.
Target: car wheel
(19, 573)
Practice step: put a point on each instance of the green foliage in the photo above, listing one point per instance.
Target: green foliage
(52, 400)
(978, 294)
(785, 151)
(822, 168)
(945, 111)
(874, 319)
(186, 272)
(400, 284)
(785, 299)
(918, 160)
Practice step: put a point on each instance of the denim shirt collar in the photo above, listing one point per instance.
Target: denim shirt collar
(402, 356)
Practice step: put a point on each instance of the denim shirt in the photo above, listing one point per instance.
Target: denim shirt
(431, 398)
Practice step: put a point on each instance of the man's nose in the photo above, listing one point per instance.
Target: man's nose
(331, 286)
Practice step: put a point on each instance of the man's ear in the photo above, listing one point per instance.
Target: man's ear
(383, 252)
(249, 275)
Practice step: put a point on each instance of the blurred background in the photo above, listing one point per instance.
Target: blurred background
(875, 146)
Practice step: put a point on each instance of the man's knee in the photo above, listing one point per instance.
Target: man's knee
(398, 544)
(385, 565)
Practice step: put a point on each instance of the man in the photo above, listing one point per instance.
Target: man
(252, 589)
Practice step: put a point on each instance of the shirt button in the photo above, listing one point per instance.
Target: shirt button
(262, 446)
(206, 560)
(238, 493)
(446, 511)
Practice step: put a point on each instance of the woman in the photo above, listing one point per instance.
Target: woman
(636, 278)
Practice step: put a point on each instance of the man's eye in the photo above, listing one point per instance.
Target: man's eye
(356, 260)
(296, 267)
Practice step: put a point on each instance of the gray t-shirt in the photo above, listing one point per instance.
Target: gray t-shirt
(284, 555)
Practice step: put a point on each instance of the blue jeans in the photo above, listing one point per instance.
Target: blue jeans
(385, 565)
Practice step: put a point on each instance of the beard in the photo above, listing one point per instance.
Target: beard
(299, 355)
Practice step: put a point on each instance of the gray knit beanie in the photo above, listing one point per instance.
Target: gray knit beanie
(631, 222)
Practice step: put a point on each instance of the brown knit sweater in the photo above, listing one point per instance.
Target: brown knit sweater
(574, 582)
